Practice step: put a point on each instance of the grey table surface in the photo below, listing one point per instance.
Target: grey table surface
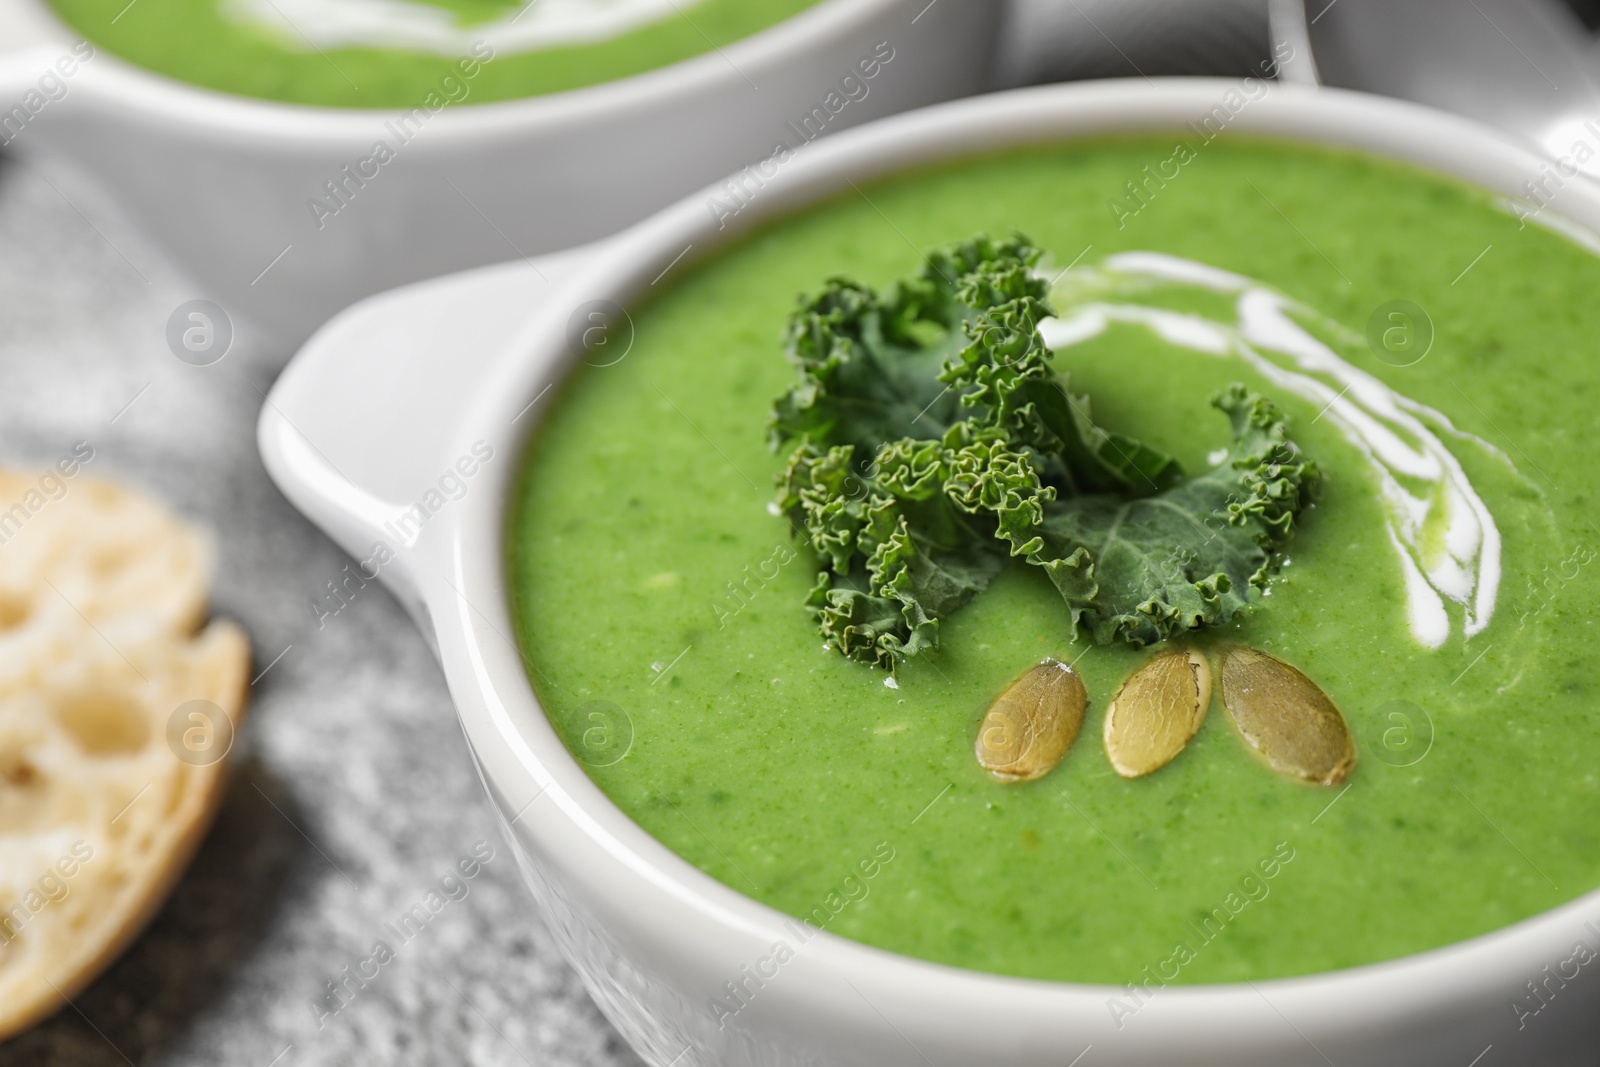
(353, 792)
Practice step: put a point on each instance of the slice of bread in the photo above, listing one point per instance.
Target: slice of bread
(115, 721)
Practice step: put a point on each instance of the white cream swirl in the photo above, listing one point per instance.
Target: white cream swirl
(415, 25)
(1446, 541)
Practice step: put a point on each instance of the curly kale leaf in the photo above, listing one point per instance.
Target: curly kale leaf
(1142, 569)
(933, 440)
(910, 539)
(869, 364)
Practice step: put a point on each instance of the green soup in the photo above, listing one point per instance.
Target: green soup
(661, 603)
(338, 53)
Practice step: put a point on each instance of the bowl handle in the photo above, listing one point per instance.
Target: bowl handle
(361, 424)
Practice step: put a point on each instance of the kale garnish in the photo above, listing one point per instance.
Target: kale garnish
(932, 440)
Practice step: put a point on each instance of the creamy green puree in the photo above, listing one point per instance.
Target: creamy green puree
(318, 52)
(725, 728)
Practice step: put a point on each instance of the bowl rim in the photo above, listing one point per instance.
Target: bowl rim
(135, 88)
(465, 588)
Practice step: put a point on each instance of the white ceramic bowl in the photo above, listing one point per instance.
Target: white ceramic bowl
(222, 182)
(386, 397)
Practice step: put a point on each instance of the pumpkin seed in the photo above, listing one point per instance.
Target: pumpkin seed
(1283, 715)
(1156, 712)
(1029, 727)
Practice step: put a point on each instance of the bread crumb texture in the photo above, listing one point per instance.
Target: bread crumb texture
(117, 707)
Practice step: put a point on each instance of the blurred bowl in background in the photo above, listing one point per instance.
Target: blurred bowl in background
(227, 186)
(1061, 40)
(1530, 67)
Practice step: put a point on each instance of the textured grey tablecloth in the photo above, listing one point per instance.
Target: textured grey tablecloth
(353, 792)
